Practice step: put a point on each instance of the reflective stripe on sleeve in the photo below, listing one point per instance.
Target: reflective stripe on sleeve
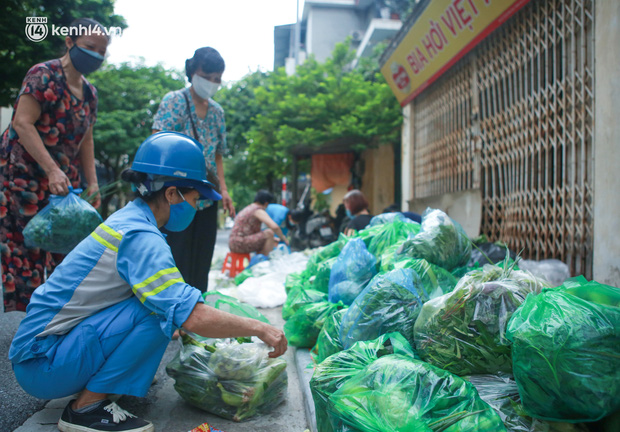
(157, 283)
(107, 237)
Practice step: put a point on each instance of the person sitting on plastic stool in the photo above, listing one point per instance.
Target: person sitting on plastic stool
(246, 235)
(102, 321)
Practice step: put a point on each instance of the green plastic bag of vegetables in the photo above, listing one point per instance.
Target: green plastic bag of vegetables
(437, 281)
(398, 393)
(565, 351)
(390, 303)
(323, 273)
(441, 241)
(335, 370)
(232, 305)
(62, 224)
(390, 256)
(464, 331)
(294, 281)
(328, 342)
(245, 274)
(302, 329)
(232, 380)
(299, 298)
(501, 393)
(351, 272)
(392, 233)
(331, 250)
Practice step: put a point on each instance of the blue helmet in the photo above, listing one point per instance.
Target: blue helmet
(174, 159)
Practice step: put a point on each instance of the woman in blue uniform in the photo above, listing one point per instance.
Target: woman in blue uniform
(101, 323)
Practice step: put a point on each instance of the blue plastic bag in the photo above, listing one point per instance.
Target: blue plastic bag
(390, 303)
(62, 224)
(352, 271)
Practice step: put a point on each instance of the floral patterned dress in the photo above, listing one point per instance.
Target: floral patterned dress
(24, 190)
(246, 235)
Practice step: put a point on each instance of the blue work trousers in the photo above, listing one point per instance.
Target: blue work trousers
(115, 351)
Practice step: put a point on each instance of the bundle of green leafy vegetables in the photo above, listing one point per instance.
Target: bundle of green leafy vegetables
(441, 241)
(565, 351)
(232, 380)
(392, 233)
(464, 331)
(390, 303)
(323, 273)
(399, 393)
(62, 224)
(501, 393)
(328, 341)
(351, 272)
(335, 370)
(294, 281)
(300, 297)
(302, 329)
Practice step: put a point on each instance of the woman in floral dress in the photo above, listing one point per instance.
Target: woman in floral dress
(49, 138)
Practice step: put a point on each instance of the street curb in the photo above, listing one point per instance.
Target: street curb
(305, 369)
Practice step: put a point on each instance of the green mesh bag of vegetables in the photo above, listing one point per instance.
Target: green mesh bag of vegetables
(464, 331)
(441, 241)
(302, 329)
(299, 298)
(62, 224)
(232, 305)
(390, 303)
(437, 281)
(234, 381)
(398, 393)
(501, 393)
(565, 351)
(328, 342)
(335, 370)
(392, 233)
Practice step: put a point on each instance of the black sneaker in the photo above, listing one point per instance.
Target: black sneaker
(106, 417)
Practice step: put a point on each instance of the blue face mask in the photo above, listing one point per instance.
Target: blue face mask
(85, 61)
(348, 212)
(181, 215)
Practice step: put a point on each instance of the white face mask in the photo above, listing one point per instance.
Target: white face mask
(203, 87)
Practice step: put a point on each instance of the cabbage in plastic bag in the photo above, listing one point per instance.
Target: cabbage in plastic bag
(398, 393)
(565, 351)
(231, 380)
(62, 224)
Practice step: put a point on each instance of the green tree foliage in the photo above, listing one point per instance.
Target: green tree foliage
(18, 54)
(322, 103)
(129, 96)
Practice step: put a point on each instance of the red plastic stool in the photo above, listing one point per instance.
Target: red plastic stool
(237, 263)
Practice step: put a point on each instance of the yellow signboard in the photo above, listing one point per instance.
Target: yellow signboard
(444, 32)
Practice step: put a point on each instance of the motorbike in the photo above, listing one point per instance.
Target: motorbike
(311, 230)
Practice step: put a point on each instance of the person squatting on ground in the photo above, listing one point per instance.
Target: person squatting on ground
(102, 321)
(49, 138)
(356, 207)
(246, 235)
(193, 112)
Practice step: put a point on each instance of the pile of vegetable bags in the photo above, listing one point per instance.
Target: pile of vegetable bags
(232, 378)
(381, 386)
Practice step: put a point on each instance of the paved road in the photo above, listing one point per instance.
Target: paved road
(162, 405)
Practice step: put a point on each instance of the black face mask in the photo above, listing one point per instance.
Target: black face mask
(85, 61)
